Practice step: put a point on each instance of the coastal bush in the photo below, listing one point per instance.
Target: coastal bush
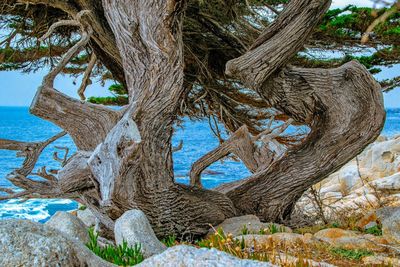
(376, 230)
(121, 255)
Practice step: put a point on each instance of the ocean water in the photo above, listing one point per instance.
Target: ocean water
(16, 123)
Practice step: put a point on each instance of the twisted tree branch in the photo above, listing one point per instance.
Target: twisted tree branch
(30, 150)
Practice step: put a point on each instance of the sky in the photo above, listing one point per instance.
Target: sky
(18, 89)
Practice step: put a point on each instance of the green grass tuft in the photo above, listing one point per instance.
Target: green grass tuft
(169, 241)
(121, 255)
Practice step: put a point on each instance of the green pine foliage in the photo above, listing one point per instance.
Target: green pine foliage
(109, 100)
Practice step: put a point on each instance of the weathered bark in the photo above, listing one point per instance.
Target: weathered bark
(345, 110)
(125, 160)
(151, 49)
(343, 107)
(86, 77)
(79, 119)
(253, 151)
(29, 150)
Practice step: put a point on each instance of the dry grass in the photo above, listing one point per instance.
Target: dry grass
(298, 254)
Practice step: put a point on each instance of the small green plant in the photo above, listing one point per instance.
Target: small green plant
(351, 254)
(169, 241)
(121, 255)
(82, 207)
(273, 229)
(245, 230)
(375, 230)
(336, 225)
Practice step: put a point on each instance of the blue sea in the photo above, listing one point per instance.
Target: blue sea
(16, 123)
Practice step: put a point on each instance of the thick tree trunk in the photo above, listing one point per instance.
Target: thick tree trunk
(125, 157)
(148, 36)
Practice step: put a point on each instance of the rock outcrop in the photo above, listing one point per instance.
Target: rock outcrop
(134, 228)
(69, 225)
(391, 224)
(351, 240)
(249, 224)
(87, 217)
(381, 261)
(25, 243)
(389, 184)
(369, 181)
(187, 256)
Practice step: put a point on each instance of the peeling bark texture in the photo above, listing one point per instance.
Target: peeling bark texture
(76, 175)
(108, 161)
(148, 35)
(279, 42)
(125, 157)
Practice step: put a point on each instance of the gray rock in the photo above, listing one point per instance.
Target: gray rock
(370, 225)
(26, 243)
(386, 212)
(351, 240)
(390, 184)
(391, 224)
(134, 228)
(252, 223)
(87, 217)
(69, 225)
(285, 259)
(381, 260)
(186, 256)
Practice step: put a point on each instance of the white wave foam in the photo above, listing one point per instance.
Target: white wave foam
(34, 209)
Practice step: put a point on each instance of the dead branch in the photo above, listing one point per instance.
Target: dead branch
(64, 160)
(30, 150)
(77, 118)
(86, 77)
(179, 147)
(44, 174)
(86, 32)
(7, 190)
(380, 19)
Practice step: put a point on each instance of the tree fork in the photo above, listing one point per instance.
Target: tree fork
(343, 108)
